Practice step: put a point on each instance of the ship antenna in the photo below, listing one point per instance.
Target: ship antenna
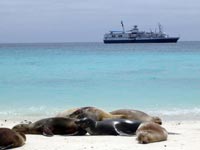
(123, 26)
(160, 28)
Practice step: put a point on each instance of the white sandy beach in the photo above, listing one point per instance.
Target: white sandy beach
(188, 138)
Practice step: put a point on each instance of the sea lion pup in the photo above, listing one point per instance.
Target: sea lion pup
(109, 127)
(93, 113)
(136, 115)
(149, 132)
(51, 126)
(11, 139)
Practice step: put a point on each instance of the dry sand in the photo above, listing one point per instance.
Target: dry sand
(188, 138)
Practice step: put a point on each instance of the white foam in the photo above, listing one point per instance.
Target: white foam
(42, 111)
(177, 111)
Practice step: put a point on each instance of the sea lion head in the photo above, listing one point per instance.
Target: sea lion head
(78, 114)
(82, 112)
(143, 138)
(21, 128)
(87, 112)
(157, 120)
(85, 123)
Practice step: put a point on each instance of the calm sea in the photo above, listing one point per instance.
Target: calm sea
(42, 79)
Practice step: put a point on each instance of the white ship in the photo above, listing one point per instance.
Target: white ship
(136, 36)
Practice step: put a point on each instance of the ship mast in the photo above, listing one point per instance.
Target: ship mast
(123, 26)
(160, 28)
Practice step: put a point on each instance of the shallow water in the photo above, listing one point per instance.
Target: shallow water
(40, 79)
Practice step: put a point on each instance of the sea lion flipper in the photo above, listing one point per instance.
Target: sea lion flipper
(117, 129)
(121, 133)
(6, 147)
(127, 128)
(47, 131)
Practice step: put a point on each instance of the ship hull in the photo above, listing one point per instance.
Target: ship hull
(164, 40)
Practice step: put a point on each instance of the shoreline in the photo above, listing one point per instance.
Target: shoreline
(187, 138)
(165, 115)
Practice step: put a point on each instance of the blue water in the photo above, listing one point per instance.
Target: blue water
(46, 78)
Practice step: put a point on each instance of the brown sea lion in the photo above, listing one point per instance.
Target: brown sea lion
(66, 113)
(51, 126)
(11, 139)
(136, 115)
(93, 113)
(149, 132)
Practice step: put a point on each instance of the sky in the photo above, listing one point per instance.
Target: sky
(27, 21)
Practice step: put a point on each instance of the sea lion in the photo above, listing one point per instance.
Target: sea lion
(11, 139)
(93, 113)
(149, 132)
(109, 127)
(66, 113)
(136, 115)
(51, 126)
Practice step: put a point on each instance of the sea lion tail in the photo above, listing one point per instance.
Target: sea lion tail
(47, 132)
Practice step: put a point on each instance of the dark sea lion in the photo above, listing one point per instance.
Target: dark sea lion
(136, 115)
(51, 126)
(93, 113)
(149, 132)
(109, 127)
(11, 139)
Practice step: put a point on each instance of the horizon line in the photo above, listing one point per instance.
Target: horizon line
(71, 42)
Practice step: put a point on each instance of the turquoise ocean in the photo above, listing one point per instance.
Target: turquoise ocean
(43, 79)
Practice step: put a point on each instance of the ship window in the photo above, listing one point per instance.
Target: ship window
(113, 35)
(119, 35)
